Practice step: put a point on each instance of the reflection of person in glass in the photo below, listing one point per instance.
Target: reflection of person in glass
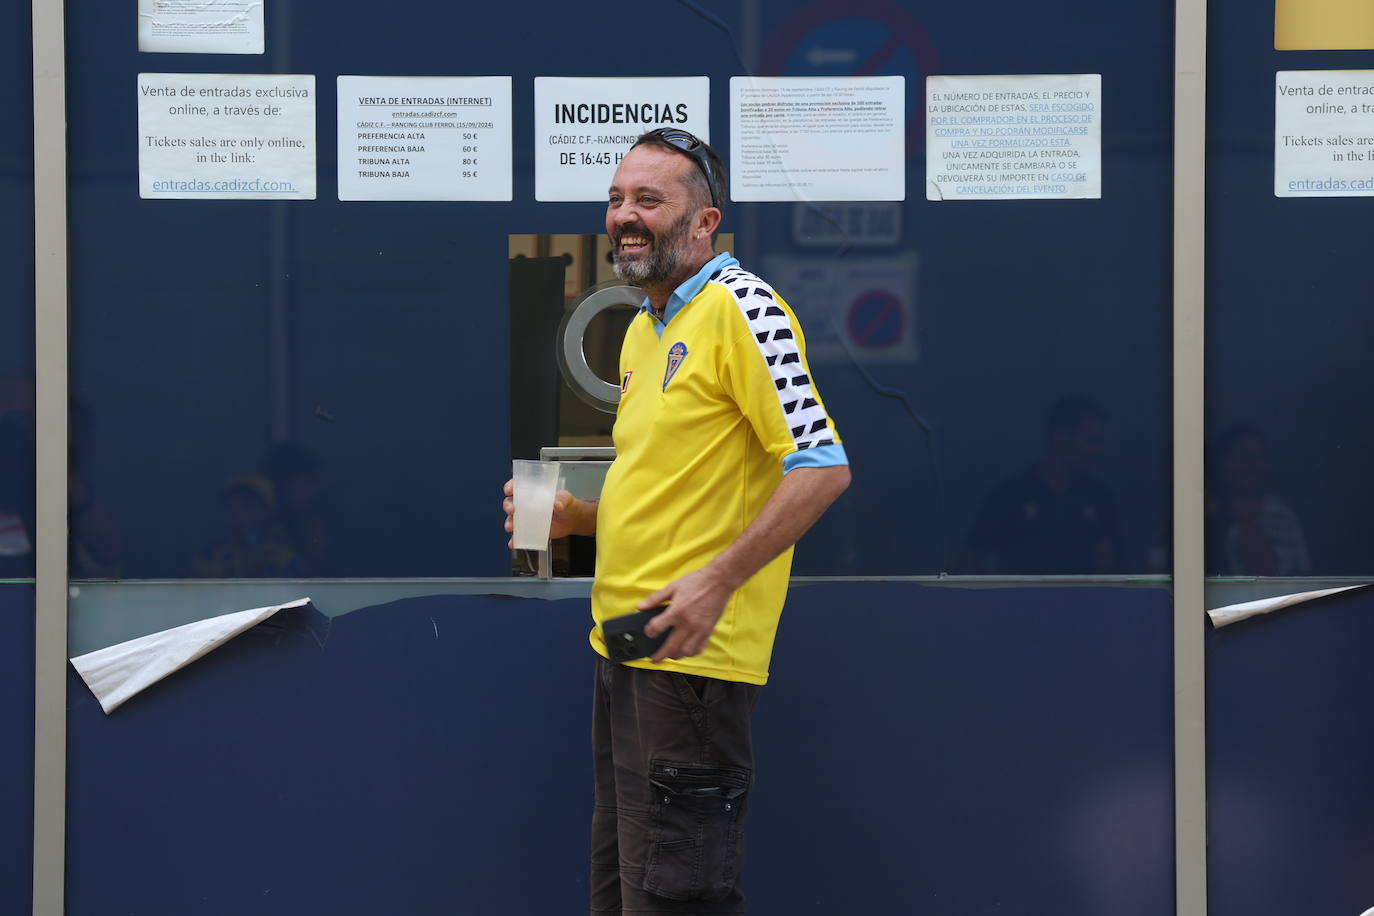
(97, 543)
(253, 547)
(1250, 531)
(725, 456)
(1057, 517)
(17, 510)
(295, 475)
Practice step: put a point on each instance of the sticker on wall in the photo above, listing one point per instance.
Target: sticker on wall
(583, 127)
(832, 224)
(1323, 25)
(798, 138)
(424, 138)
(200, 26)
(1014, 137)
(852, 308)
(1324, 133)
(226, 136)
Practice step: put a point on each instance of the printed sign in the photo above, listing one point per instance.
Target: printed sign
(817, 138)
(200, 26)
(1014, 137)
(583, 127)
(424, 138)
(226, 135)
(1324, 133)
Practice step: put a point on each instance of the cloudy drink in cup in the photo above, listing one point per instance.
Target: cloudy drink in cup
(536, 483)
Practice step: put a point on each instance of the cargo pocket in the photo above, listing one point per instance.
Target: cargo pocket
(698, 838)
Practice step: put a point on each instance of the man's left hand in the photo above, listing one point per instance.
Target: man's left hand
(695, 602)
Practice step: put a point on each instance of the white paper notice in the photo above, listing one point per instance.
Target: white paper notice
(818, 138)
(200, 26)
(225, 135)
(1014, 137)
(583, 127)
(119, 672)
(1324, 133)
(425, 138)
(1231, 613)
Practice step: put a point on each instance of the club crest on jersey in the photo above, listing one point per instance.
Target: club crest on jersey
(676, 354)
(625, 382)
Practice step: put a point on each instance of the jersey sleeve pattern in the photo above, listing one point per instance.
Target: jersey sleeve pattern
(776, 339)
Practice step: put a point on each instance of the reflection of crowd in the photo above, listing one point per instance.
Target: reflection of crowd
(270, 522)
(1056, 516)
(96, 545)
(269, 525)
(1059, 517)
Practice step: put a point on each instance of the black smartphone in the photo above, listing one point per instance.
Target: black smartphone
(625, 639)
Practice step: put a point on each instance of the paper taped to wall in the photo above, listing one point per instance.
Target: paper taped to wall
(116, 673)
(1323, 25)
(1231, 613)
(201, 26)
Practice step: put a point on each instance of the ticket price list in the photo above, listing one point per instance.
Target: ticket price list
(424, 138)
(470, 161)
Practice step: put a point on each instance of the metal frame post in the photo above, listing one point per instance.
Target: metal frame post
(50, 350)
(1190, 736)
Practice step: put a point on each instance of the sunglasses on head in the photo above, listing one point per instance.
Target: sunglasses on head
(688, 143)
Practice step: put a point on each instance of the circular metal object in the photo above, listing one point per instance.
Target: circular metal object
(572, 357)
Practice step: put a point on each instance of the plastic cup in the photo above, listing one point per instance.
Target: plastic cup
(536, 483)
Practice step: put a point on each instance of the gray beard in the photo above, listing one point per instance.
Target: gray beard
(663, 261)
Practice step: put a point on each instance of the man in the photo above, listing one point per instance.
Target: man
(725, 456)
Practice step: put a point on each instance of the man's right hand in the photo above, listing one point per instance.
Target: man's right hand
(569, 515)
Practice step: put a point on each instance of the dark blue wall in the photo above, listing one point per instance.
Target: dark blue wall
(16, 457)
(1290, 804)
(921, 749)
(16, 192)
(16, 751)
(1290, 750)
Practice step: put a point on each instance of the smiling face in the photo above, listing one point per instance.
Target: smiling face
(660, 233)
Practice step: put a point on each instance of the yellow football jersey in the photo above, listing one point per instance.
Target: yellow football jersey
(717, 403)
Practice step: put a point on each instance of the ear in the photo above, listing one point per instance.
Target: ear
(708, 221)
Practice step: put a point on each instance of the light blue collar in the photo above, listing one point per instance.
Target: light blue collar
(688, 290)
